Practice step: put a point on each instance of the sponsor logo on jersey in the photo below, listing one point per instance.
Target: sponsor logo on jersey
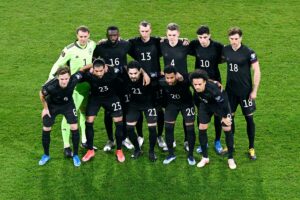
(253, 56)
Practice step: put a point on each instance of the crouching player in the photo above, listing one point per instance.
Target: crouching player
(102, 94)
(56, 97)
(211, 101)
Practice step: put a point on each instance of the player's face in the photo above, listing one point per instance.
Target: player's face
(204, 39)
(113, 35)
(98, 71)
(83, 37)
(170, 78)
(63, 80)
(145, 32)
(235, 41)
(134, 74)
(199, 84)
(173, 36)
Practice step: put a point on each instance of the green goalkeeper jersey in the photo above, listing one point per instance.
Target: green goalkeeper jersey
(74, 56)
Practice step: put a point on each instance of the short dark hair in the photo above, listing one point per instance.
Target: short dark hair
(169, 70)
(63, 70)
(99, 62)
(203, 29)
(134, 65)
(144, 23)
(83, 29)
(112, 28)
(235, 30)
(173, 27)
(199, 73)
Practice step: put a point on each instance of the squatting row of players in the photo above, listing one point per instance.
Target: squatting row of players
(98, 75)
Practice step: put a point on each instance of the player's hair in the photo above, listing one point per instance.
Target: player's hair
(169, 70)
(134, 65)
(99, 62)
(199, 73)
(112, 28)
(203, 29)
(62, 71)
(83, 29)
(235, 30)
(173, 27)
(144, 23)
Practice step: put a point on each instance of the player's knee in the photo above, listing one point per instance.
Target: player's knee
(90, 119)
(226, 128)
(46, 128)
(73, 127)
(118, 119)
(203, 126)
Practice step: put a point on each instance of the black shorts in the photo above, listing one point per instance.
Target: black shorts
(134, 112)
(67, 110)
(111, 104)
(205, 112)
(187, 111)
(248, 106)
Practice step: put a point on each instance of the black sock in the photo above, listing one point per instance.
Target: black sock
(218, 127)
(169, 132)
(184, 130)
(139, 125)
(132, 136)
(232, 127)
(203, 142)
(46, 141)
(191, 138)
(119, 134)
(75, 141)
(160, 122)
(229, 143)
(250, 130)
(152, 137)
(108, 125)
(124, 136)
(89, 132)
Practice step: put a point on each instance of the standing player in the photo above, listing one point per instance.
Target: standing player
(211, 100)
(114, 51)
(76, 55)
(174, 53)
(56, 97)
(103, 94)
(140, 101)
(178, 99)
(240, 59)
(208, 54)
(146, 50)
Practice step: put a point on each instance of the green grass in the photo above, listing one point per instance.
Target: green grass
(34, 33)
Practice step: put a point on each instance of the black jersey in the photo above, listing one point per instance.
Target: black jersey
(139, 95)
(178, 94)
(113, 53)
(238, 69)
(175, 56)
(212, 96)
(103, 87)
(54, 94)
(207, 58)
(147, 53)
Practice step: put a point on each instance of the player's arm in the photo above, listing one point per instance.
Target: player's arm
(86, 68)
(146, 78)
(256, 79)
(62, 60)
(44, 102)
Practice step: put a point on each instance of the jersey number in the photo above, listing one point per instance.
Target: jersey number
(146, 56)
(103, 89)
(190, 112)
(247, 103)
(136, 91)
(175, 96)
(204, 63)
(115, 61)
(172, 63)
(233, 67)
(152, 112)
(116, 106)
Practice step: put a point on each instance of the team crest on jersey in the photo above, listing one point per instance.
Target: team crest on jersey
(253, 55)
(66, 99)
(90, 51)
(78, 76)
(76, 56)
(63, 53)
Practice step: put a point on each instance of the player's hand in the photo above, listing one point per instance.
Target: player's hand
(253, 95)
(179, 77)
(146, 80)
(185, 41)
(105, 68)
(45, 112)
(219, 85)
(227, 121)
(102, 41)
